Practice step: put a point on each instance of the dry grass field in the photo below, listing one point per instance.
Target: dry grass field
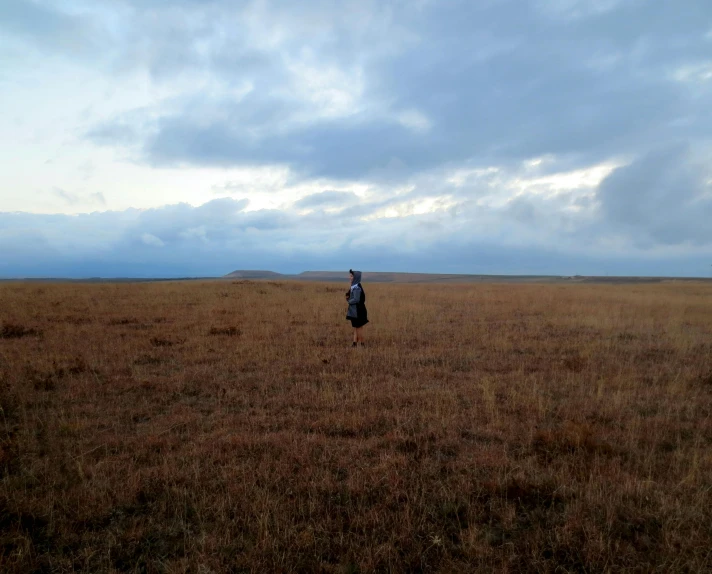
(228, 426)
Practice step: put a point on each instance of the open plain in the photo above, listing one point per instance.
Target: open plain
(227, 426)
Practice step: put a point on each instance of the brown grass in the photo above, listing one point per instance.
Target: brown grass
(228, 427)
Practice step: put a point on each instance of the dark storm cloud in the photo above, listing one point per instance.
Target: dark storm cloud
(212, 240)
(496, 81)
(664, 197)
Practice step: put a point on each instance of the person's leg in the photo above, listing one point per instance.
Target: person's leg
(360, 335)
(355, 337)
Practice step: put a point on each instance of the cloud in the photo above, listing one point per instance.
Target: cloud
(74, 199)
(487, 89)
(152, 240)
(98, 197)
(575, 9)
(414, 120)
(429, 130)
(50, 27)
(664, 197)
(530, 234)
(70, 198)
(114, 132)
(326, 199)
(343, 103)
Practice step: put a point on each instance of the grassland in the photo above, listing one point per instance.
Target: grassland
(228, 427)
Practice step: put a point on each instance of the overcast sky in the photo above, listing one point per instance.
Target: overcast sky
(195, 137)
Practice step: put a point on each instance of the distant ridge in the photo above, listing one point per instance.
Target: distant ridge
(255, 274)
(386, 277)
(394, 277)
(370, 277)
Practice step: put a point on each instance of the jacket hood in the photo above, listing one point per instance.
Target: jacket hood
(357, 277)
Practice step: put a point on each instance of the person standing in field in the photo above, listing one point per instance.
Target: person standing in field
(357, 313)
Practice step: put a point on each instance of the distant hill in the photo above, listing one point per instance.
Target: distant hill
(386, 277)
(255, 274)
